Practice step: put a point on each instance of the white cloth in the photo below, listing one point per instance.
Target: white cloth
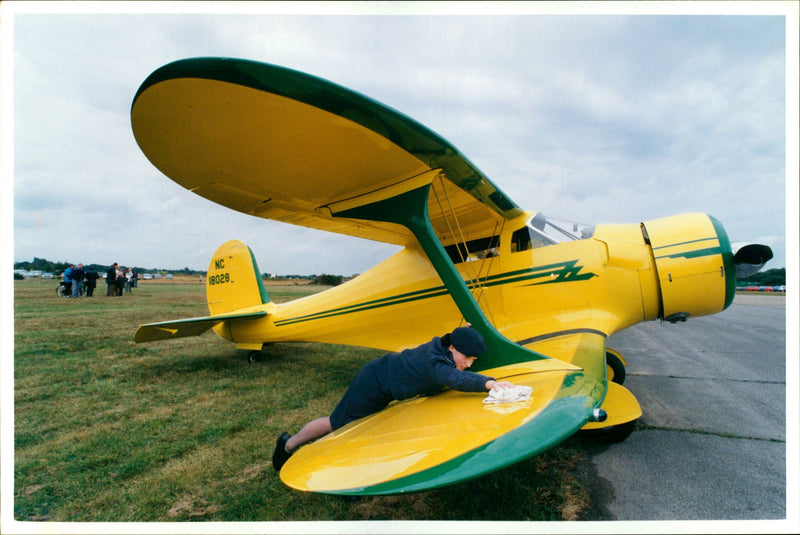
(509, 395)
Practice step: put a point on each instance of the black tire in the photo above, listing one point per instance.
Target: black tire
(611, 435)
(615, 369)
(254, 356)
(60, 290)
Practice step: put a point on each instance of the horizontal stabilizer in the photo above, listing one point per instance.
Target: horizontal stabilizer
(167, 330)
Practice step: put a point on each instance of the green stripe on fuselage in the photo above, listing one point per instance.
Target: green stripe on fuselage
(368, 305)
(568, 271)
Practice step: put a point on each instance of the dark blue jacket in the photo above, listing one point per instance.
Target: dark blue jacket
(422, 371)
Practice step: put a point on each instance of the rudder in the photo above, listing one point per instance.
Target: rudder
(234, 280)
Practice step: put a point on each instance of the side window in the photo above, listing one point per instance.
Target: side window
(520, 240)
(474, 249)
(532, 236)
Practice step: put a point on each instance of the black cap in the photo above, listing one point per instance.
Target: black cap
(468, 341)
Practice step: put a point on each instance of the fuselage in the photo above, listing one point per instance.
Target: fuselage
(529, 284)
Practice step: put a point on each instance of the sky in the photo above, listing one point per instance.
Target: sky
(601, 117)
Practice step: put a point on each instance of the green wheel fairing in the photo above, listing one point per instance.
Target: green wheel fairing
(558, 421)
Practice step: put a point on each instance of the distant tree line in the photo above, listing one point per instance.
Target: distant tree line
(42, 264)
(328, 280)
(290, 276)
(770, 277)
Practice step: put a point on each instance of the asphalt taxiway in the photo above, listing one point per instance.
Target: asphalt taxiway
(711, 442)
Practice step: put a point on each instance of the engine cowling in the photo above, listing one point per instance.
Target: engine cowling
(694, 265)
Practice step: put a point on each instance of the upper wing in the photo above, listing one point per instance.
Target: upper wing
(280, 144)
(429, 442)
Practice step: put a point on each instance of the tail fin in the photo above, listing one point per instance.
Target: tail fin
(234, 280)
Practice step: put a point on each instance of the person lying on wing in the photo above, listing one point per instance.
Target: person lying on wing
(422, 371)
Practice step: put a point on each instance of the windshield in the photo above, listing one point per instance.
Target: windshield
(542, 231)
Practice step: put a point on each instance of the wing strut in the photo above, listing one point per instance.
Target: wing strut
(410, 209)
(477, 282)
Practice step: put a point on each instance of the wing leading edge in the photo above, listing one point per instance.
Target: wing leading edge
(283, 145)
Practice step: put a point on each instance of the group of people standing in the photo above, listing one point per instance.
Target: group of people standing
(77, 280)
(119, 279)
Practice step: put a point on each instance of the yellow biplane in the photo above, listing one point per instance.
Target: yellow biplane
(545, 294)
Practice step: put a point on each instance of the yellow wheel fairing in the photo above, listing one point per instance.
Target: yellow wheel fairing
(620, 405)
(615, 366)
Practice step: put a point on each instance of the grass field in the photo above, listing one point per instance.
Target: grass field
(108, 430)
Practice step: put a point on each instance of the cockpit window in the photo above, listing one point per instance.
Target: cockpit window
(542, 231)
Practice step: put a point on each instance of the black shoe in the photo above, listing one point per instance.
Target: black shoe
(280, 456)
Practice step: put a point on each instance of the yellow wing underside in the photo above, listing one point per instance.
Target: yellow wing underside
(276, 157)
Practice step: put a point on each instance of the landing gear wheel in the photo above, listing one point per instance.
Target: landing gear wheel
(611, 435)
(254, 356)
(615, 367)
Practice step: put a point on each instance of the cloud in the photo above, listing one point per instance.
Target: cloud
(592, 118)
